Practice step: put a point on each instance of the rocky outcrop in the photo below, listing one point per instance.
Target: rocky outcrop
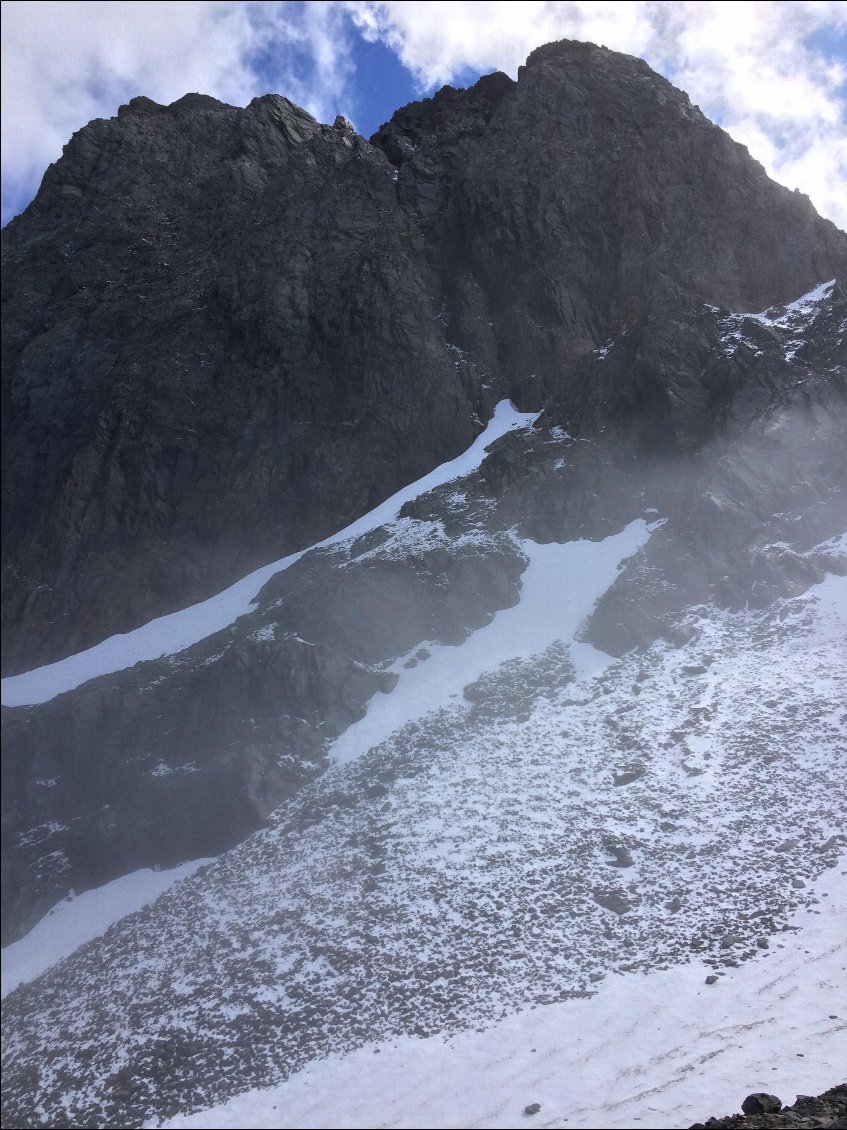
(751, 502)
(590, 202)
(383, 596)
(177, 760)
(828, 1109)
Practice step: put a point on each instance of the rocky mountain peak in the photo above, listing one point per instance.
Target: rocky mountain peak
(476, 702)
(297, 281)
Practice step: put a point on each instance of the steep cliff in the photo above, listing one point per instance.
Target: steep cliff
(228, 332)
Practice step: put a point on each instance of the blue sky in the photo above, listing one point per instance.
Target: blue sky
(773, 73)
(379, 86)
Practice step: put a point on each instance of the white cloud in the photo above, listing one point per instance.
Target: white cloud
(437, 40)
(307, 53)
(65, 63)
(749, 66)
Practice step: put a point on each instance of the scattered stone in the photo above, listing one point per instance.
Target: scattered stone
(629, 777)
(533, 1108)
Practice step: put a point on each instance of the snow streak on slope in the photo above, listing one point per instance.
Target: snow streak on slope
(794, 321)
(516, 850)
(661, 1049)
(558, 590)
(77, 919)
(180, 630)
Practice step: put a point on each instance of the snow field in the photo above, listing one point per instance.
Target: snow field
(488, 862)
(662, 1049)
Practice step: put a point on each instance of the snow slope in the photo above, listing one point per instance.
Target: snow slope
(661, 1049)
(559, 588)
(77, 919)
(180, 630)
(554, 837)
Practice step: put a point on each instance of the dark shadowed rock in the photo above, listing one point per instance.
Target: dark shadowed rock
(202, 372)
(169, 761)
(761, 1103)
(762, 1110)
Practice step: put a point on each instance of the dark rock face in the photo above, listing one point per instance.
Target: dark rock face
(228, 331)
(210, 320)
(591, 203)
(177, 760)
(380, 604)
(747, 508)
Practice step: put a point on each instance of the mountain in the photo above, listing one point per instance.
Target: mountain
(445, 531)
(202, 295)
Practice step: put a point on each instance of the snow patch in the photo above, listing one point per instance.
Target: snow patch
(180, 630)
(76, 920)
(559, 588)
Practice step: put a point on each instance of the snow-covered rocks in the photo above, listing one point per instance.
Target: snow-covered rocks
(473, 866)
